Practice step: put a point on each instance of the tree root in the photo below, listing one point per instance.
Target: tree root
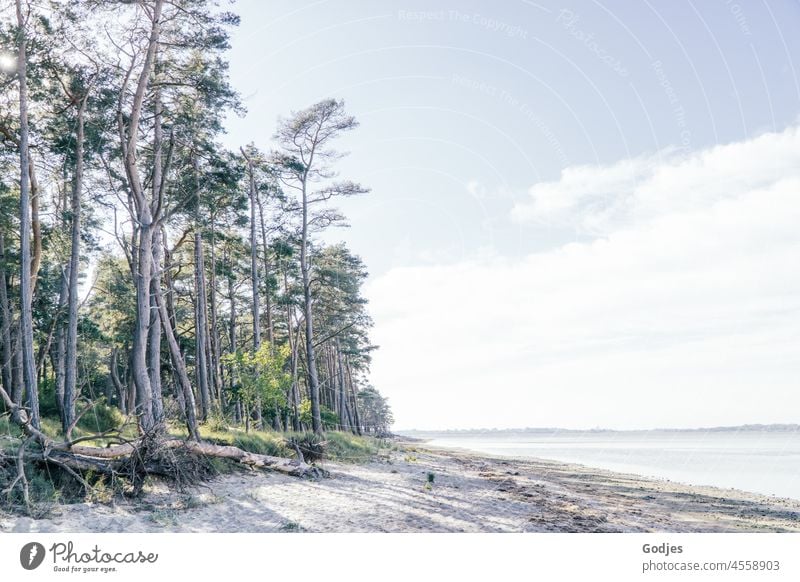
(181, 461)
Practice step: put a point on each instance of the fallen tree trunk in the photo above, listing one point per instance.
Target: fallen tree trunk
(293, 467)
(144, 455)
(86, 457)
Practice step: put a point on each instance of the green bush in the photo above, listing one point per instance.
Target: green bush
(216, 422)
(101, 419)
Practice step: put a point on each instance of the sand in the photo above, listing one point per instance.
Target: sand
(470, 493)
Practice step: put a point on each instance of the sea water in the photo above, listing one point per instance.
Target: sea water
(765, 462)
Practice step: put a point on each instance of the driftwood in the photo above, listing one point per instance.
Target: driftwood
(293, 467)
(150, 454)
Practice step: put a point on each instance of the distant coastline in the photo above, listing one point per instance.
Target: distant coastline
(551, 430)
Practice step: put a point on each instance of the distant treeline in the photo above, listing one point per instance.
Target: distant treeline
(549, 431)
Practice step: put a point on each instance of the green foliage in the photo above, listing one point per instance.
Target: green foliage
(305, 411)
(216, 422)
(204, 192)
(113, 306)
(101, 418)
(329, 418)
(261, 375)
(47, 397)
(9, 434)
(376, 415)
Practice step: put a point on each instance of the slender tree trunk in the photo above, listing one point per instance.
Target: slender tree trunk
(347, 417)
(179, 366)
(141, 373)
(71, 353)
(295, 371)
(60, 359)
(311, 360)
(170, 298)
(200, 310)
(17, 371)
(233, 343)
(267, 295)
(201, 364)
(254, 277)
(6, 351)
(254, 256)
(209, 354)
(154, 337)
(216, 373)
(154, 319)
(26, 283)
(294, 397)
(36, 225)
(353, 397)
(131, 386)
(329, 390)
(122, 392)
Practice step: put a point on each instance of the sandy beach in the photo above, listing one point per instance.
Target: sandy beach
(469, 493)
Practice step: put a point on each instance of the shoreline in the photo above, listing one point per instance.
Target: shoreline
(598, 470)
(468, 492)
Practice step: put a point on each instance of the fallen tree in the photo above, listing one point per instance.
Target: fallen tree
(154, 453)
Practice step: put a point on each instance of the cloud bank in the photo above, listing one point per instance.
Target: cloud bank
(682, 310)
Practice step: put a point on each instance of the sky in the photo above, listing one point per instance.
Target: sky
(583, 214)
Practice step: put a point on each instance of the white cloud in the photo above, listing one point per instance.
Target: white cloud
(600, 199)
(685, 313)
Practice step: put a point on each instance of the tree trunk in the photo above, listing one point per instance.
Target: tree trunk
(167, 271)
(154, 337)
(60, 356)
(6, 351)
(254, 259)
(267, 297)
(353, 397)
(131, 386)
(36, 224)
(233, 343)
(25, 283)
(145, 222)
(311, 360)
(122, 392)
(345, 415)
(180, 369)
(216, 373)
(201, 364)
(71, 348)
(254, 278)
(17, 374)
(294, 395)
(141, 373)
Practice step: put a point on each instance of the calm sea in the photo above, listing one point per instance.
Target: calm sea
(764, 462)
